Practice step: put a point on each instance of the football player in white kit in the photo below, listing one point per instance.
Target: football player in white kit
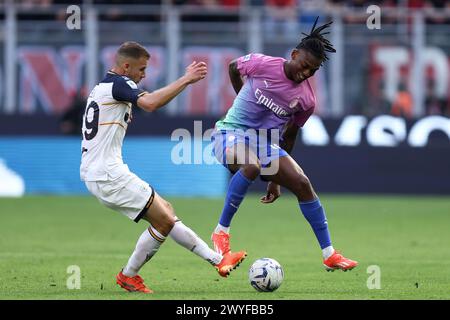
(107, 115)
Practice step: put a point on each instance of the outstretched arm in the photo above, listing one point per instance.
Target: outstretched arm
(235, 76)
(159, 98)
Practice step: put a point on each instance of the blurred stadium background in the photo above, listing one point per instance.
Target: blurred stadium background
(381, 124)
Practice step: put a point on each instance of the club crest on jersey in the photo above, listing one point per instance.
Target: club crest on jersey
(132, 84)
(246, 58)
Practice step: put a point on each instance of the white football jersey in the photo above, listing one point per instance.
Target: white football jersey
(105, 121)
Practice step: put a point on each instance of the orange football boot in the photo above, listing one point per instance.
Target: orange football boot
(338, 261)
(132, 284)
(221, 242)
(230, 261)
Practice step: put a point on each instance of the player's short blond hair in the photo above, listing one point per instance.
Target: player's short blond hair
(131, 49)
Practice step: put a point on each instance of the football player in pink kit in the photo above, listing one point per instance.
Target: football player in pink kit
(275, 99)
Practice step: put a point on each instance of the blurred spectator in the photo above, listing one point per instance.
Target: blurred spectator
(230, 3)
(402, 105)
(208, 3)
(358, 3)
(29, 9)
(434, 104)
(70, 122)
(377, 103)
(42, 9)
(416, 4)
(309, 10)
(114, 11)
(255, 3)
(214, 9)
(203, 3)
(435, 6)
(281, 17)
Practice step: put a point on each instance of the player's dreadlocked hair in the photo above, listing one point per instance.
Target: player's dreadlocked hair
(316, 43)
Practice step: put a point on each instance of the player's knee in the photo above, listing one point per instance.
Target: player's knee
(170, 222)
(165, 224)
(302, 186)
(251, 171)
(169, 217)
(304, 182)
(164, 218)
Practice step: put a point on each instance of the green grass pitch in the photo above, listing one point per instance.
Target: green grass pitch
(408, 238)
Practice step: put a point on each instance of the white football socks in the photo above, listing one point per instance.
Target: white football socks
(187, 238)
(222, 228)
(150, 241)
(146, 247)
(327, 252)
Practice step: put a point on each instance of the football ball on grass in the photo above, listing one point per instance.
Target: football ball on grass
(266, 275)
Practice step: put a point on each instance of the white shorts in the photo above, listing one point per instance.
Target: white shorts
(127, 194)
